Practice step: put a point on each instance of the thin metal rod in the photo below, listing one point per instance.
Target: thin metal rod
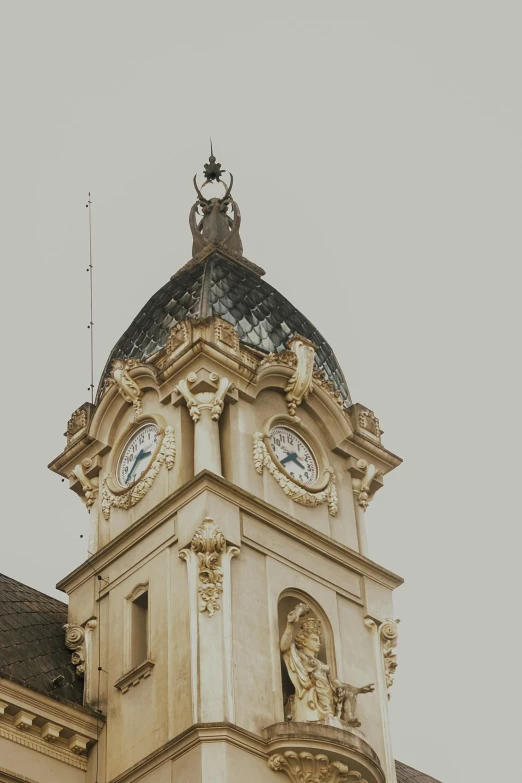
(91, 321)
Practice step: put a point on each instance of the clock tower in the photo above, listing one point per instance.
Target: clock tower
(229, 623)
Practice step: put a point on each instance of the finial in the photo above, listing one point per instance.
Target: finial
(212, 170)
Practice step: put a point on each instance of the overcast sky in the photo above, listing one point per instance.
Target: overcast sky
(376, 150)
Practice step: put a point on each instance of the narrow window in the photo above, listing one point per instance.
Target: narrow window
(139, 641)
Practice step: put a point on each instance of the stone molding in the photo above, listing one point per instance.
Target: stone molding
(307, 767)
(272, 516)
(135, 676)
(362, 487)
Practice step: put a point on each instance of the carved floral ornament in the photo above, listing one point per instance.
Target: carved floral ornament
(127, 499)
(208, 543)
(324, 492)
(206, 400)
(307, 767)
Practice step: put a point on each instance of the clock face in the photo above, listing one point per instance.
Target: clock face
(294, 454)
(137, 454)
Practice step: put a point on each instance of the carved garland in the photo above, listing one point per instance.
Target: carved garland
(304, 497)
(166, 454)
(306, 767)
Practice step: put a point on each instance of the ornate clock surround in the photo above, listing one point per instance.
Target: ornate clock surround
(114, 456)
(323, 490)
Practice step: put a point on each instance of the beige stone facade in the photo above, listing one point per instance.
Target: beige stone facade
(195, 568)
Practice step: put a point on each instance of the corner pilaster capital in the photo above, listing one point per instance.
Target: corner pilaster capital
(197, 402)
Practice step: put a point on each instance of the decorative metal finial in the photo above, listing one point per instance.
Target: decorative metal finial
(212, 170)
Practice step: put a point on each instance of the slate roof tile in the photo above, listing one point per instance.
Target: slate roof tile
(407, 774)
(262, 317)
(32, 642)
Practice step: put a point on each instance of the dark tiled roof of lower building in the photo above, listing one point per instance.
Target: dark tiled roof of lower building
(407, 774)
(32, 642)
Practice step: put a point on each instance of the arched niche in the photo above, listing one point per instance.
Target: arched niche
(287, 602)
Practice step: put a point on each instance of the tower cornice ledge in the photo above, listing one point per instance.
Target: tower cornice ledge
(193, 736)
(164, 513)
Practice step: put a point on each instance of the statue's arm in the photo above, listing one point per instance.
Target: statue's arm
(287, 638)
(291, 620)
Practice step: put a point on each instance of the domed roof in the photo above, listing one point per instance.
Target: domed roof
(220, 285)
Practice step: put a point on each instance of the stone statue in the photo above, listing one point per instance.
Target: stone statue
(319, 696)
(216, 228)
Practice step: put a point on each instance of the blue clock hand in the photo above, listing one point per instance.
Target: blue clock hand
(140, 456)
(290, 458)
(298, 463)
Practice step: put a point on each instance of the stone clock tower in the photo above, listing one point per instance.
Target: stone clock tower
(229, 624)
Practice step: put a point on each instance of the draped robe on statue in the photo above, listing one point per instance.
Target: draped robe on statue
(313, 683)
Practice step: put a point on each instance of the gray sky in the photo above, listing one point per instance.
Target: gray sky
(377, 162)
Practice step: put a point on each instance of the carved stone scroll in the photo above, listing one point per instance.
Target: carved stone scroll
(301, 383)
(262, 459)
(389, 634)
(197, 403)
(166, 454)
(127, 387)
(361, 487)
(307, 767)
(90, 490)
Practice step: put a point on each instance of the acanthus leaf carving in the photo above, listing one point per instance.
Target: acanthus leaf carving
(213, 401)
(389, 634)
(127, 387)
(304, 497)
(308, 767)
(166, 454)
(208, 543)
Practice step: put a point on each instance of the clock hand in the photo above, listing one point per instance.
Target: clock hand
(290, 458)
(140, 456)
(298, 463)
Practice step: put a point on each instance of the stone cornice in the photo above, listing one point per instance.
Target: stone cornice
(75, 717)
(190, 738)
(205, 480)
(32, 741)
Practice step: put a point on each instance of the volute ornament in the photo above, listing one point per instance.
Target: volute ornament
(307, 767)
(389, 634)
(319, 696)
(301, 383)
(75, 641)
(208, 543)
(90, 491)
(166, 454)
(197, 403)
(304, 497)
(361, 487)
(127, 387)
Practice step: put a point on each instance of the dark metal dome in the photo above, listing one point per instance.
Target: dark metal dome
(218, 285)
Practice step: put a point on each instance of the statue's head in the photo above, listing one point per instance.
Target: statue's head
(310, 636)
